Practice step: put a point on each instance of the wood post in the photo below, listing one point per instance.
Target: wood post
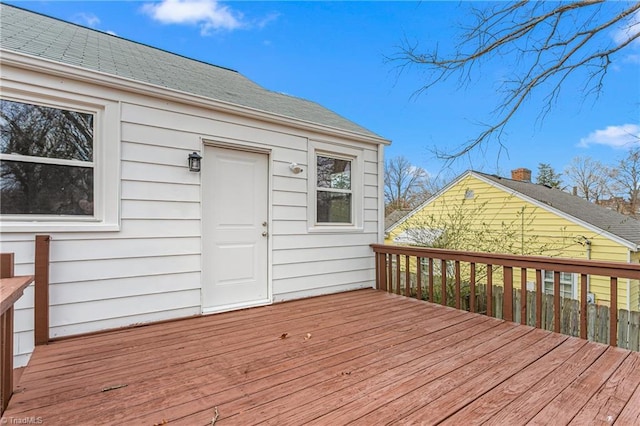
(613, 313)
(6, 338)
(507, 307)
(556, 301)
(583, 306)
(523, 296)
(41, 298)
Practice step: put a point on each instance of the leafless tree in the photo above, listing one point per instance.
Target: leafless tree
(546, 44)
(626, 180)
(589, 177)
(405, 185)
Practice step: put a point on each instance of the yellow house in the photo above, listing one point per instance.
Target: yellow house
(482, 212)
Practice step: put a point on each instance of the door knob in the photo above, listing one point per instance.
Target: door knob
(265, 234)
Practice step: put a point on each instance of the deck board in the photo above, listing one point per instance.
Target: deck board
(365, 357)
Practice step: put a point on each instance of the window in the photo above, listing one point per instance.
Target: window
(334, 194)
(47, 160)
(335, 188)
(59, 163)
(567, 281)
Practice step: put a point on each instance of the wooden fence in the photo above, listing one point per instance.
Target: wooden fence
(440, 280)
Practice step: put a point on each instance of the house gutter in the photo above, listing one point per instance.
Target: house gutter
(87, 75)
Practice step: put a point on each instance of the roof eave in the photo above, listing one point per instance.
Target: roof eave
(38, 64)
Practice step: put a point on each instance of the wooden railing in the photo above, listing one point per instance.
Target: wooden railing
(398, 266)
(11, 289)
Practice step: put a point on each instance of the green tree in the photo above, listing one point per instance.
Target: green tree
(548, 176)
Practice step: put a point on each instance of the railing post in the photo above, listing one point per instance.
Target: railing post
(507, 301)
(398, 289)
(556, 301)
(583, 306)
(472, 287)
(489, 290)
(458, 279)
(382, 266)
(538, 298)
(613, 313)
(419, 278)
(443, 274)
(6, 338)
(523, 296)
(41, 297)
(431, 280)
(389, 259)
(407, 276)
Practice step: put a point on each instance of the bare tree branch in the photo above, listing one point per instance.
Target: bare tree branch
(548, 43)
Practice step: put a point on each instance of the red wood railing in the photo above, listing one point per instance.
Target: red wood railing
(11, 289)
(395, 264)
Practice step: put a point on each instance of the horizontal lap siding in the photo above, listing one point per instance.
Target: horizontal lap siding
(150, 270)
(311, 263)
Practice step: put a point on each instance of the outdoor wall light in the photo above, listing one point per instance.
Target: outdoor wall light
(194, 162)
(295, 168)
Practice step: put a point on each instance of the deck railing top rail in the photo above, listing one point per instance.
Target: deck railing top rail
(582, 266)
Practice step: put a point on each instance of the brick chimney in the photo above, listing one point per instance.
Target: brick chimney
(521, 174)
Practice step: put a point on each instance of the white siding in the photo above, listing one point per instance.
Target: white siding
(150, 269)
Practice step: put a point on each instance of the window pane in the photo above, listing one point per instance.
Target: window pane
(333, 173)
(334, 207)
(31, 188)
(40, 131)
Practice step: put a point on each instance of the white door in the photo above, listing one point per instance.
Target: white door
(234, 229)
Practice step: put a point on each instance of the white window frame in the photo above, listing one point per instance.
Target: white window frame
(574, 281)
(106, 166)
(340, 152)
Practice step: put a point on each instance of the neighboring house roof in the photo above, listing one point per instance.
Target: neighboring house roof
(394, 217)
(572, 207)
(37, 35)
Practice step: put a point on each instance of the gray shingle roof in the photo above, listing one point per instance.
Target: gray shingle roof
(394, 217)
(620, 225)
(45, 37)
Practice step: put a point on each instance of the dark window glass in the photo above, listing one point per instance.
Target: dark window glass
(333, 207)
(47, 189)
(37, 144)
(333, 173)
(39, 131)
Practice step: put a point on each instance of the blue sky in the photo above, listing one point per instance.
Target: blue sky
(334, 53)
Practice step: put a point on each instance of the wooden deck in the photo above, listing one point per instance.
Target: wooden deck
(366, 357)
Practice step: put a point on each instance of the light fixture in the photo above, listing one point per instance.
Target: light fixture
(295, 168)
(194, 162)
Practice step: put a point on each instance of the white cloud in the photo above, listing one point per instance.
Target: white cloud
(629, 29)
(208, 14)
(614, 136)
(86, 19)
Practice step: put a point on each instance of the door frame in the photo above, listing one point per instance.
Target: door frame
(252, 148)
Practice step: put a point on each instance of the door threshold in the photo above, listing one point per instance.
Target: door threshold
(235, 307)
